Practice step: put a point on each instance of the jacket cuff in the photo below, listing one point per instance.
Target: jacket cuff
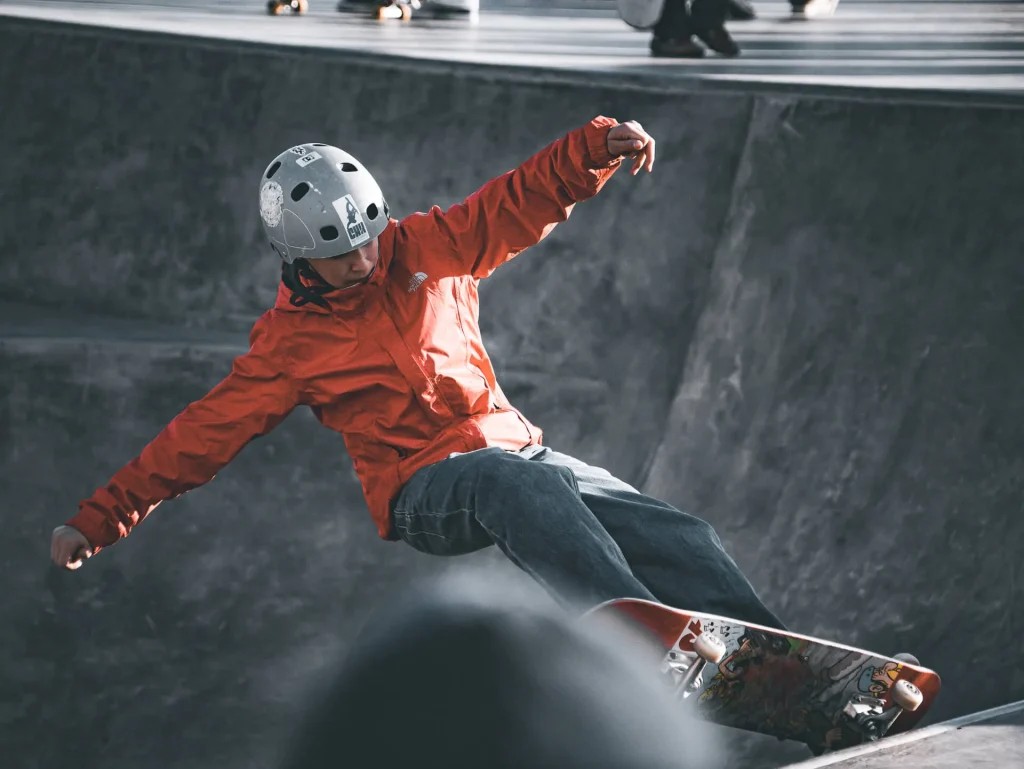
(596, 133)
(95, 527)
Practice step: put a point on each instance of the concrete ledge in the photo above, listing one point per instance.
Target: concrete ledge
(957, 750)
(32, 323)
(587, 51)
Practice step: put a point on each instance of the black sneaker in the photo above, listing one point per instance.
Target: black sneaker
(740, 10)
(719, 40)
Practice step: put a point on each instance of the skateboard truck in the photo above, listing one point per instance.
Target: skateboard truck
(868, 717)
(687, 667)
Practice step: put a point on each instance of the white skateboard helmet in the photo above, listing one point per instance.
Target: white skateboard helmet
(317, 201)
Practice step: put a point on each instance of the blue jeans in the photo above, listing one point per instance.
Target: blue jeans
(573, 528)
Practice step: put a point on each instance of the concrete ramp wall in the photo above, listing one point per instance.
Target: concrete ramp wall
(850, 412)
(805, 326)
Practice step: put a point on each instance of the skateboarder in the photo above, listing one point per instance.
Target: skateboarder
(681, 21)
(375, 329)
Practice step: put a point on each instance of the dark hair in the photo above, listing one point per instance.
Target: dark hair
(291, 276)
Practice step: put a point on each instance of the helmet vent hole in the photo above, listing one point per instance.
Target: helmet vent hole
(299, 191)
(329, 232)
(348, 167)
(387, 211)
(371, 211)
(273, 169)
(318, 145)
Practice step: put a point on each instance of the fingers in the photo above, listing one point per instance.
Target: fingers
(631, 139)
(644, 159)
(77, 559)
(68, 548)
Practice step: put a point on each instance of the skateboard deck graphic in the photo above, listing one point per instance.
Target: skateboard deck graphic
(784, 684)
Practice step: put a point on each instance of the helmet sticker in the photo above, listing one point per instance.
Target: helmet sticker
(298, 150)
(271, 200)
(355, 227)
(297, 236)
(305, 160)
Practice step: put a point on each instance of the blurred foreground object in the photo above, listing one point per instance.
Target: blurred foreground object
(462, 675)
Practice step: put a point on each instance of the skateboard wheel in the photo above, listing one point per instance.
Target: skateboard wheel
(906, 695)
(709, 648)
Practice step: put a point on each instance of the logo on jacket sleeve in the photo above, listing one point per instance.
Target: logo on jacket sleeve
(416, 281)
(355, 227)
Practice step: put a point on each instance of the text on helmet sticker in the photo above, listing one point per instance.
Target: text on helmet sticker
(298, 150)
(271, 200)
(355, 227)
(305, 160)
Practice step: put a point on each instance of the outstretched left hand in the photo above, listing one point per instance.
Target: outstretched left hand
(630, 139)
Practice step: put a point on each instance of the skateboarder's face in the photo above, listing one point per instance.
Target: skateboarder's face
(348, 269)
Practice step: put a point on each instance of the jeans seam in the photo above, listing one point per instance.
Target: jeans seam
(442, 514)
(417, 533)
(410, 516)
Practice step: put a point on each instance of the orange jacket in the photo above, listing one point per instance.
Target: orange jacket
(396, 365)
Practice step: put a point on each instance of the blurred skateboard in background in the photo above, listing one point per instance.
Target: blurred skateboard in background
(290, 7)
(405, 10)
(787, 685)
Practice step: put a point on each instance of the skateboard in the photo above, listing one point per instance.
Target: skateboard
(380, 9)
(397, 9)
(404, 10)
(790, 686)
(279, 7)
(640, 14)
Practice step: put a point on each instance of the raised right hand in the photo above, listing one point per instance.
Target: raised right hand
(631, 139)
(69, 548)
